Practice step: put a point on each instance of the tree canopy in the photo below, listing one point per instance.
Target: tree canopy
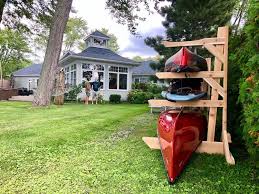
(13, 50)
(112, 44)
(76, 30)
(189, 20)
(16, 13)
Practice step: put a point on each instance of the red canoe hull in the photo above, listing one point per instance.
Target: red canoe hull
(185, 61)
(179, 135)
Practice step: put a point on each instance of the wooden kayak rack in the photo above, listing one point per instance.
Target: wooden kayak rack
(216, 81)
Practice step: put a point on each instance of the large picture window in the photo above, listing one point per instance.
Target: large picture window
(118, 78)
(89, 69)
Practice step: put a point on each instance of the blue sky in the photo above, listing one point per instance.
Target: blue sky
(98, 17)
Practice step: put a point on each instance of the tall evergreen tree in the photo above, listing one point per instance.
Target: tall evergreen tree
(189, 20)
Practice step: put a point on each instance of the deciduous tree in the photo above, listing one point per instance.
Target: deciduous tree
(13, 48)
(50, 64)
(112, 44)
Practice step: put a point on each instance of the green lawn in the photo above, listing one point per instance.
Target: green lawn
(98, 149)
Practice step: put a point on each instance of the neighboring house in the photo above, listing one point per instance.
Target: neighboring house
(142, 73)
(27, 77)
(114, 71)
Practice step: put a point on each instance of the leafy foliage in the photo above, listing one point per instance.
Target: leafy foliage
(13, 50)
(115, 98)
(73, 92)
(127, 12)
(113, 42)
(15, 14)
(75, 31)
(139, 97)
(190, 20)
(142, 92)
(249, 83)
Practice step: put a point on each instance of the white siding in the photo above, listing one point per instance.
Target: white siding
(23, 82)
(106, 92)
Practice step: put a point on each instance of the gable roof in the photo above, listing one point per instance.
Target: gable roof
(99, 34)
(100, 54)
(144, 69)
(32, 70)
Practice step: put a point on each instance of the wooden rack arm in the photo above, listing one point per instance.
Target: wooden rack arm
(200, 42)
(196, 103)
(215, 85)
(201, 74)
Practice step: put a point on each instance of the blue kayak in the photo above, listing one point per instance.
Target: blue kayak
(177, 97)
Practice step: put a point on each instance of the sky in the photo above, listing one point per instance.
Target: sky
(98, 17)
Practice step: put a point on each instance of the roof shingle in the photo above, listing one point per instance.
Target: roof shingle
(99, 34)
(144, 69)
(33, 70)
(104, 54)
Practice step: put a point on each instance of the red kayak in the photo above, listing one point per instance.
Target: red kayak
(185, 61)
(179, 135)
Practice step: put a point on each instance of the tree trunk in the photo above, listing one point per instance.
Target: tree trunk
(42, 96)
(2, 5)
(60, 88)
(1, 75)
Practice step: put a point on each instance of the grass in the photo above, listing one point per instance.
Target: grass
(98, 149)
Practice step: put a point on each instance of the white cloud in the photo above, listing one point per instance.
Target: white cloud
(98, 17)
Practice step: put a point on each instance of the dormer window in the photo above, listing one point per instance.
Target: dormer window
(99, 42)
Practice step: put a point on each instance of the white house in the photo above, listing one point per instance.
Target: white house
(114, 71)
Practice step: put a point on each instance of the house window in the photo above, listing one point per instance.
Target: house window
(73, 78)
(123, 81)
(113, 80)
(118, 78)
(66, 75)
(99, 42)
(141, 79)
(88, 72)
(73, 75)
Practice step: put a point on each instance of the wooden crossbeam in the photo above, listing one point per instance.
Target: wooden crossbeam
(201, 74)
(215, 51)
(201, 42)
(196, 103)
(215, 85)
(204, 147)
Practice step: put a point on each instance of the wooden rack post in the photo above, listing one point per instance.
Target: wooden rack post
(218, 47)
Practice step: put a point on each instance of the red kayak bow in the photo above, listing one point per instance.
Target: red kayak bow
(185, 61)
(179, 135)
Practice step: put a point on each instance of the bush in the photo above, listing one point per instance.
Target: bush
(139, 97)
(142, 92)
(115, 98)
(140, 86)
(148, 87)
(73, 92)
(244, 111)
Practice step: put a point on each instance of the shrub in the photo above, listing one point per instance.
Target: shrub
(142, 92)
(139, 97)
(244, 111)
(73, 92)
(148, 87)
(115, 98)
(140, 86)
